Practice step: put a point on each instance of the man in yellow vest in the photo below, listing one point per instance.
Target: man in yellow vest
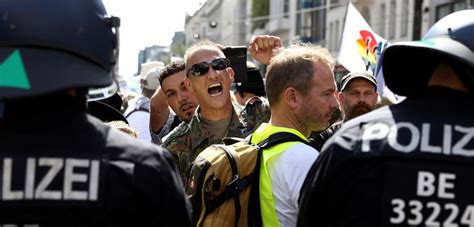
(301, 92)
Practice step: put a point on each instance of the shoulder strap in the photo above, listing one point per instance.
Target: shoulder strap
(238, 184)
(280, 137)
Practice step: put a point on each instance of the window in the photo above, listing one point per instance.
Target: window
(404, 27)
(286, 7)
(382, 20)
(311, 24)
(445, 9)
(392, 24)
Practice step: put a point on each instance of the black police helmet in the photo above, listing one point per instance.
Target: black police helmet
(407, 66)
(53, 45)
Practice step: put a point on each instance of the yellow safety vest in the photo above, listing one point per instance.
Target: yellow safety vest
(267, 203)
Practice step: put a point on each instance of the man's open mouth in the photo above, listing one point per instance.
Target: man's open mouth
(215, 89)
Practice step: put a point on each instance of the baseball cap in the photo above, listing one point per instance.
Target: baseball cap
(151, 81)
(347, 78)
(147, 66)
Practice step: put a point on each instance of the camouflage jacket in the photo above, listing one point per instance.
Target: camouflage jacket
(187, 140)
(255, 112)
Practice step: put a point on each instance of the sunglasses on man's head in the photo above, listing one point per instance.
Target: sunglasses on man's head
(200, 69)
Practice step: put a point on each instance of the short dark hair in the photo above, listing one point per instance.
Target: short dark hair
(174, 67)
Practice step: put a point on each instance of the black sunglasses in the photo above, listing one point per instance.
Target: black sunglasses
(200, 69)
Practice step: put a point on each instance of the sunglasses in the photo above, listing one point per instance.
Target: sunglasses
(200, 69)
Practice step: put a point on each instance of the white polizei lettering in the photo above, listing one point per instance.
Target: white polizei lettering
(374, 132)
(39, 187)
(56, 164)
(415, 137)
(70, 177)
(425, 185)
(30, 178)
(458, 148)
(7, 192)
(443, 185)
(447, 139)
(425, 140)
(94, 180)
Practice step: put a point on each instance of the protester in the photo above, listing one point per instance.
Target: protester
(301, 91)
(252, 87)
(124, 127)
(251, 95)
(358, 95)
(408, 164)
(60, 165)
(209, 75)
(175, 94)
(138, 111)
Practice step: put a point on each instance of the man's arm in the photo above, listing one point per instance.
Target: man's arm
(264, 47)
(159, 111)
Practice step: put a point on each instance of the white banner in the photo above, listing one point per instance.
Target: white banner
(361, 49)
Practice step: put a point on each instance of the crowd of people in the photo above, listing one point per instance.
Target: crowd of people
(70, 161)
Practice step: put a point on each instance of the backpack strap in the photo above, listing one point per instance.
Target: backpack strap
(232, 189)
(280, 137)
(238, 184)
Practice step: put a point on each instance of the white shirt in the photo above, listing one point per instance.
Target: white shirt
(140, 120)
(287, 174)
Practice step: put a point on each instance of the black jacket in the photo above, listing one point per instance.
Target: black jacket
(410, 164)
(63, 167)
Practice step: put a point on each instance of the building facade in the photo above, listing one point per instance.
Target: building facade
(221, 21)
(317, 21)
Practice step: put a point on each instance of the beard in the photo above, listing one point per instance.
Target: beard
(357, 110)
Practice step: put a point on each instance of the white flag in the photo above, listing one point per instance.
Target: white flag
(361, 49)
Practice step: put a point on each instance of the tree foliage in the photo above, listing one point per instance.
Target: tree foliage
(260, 8)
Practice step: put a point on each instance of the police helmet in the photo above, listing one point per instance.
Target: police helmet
(53, 45)
(407, 66)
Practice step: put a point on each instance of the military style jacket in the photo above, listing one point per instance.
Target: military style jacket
(63, 167)
(187, 140)
(256, 111)
(409, 164)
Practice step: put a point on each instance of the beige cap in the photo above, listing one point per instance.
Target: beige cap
(145, 67)
(151, 81)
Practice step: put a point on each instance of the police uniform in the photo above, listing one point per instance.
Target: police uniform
(63, 167)
(371, 171)
(59, 166)
(409, 164)
(188, 140)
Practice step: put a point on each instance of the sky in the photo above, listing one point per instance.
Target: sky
(145, 23)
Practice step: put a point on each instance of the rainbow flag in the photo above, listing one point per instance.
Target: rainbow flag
(361, 49)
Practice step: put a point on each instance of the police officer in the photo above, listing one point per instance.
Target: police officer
(409, 164)
(59, 166)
